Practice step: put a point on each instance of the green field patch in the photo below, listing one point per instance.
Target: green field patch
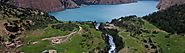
(149, 26)
(131, 42)
(48, 32)
(173, 44)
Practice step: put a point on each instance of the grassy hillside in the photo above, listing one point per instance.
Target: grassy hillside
(81, 41)
(159, 32)
(33, 31)
(144, 37)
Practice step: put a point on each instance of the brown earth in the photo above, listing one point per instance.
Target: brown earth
(163, 4)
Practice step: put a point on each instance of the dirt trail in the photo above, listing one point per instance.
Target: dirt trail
(60, 39)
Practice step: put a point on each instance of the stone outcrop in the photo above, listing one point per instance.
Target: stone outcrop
(163, 4)
(69, 4)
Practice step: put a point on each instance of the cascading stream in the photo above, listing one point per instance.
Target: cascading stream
(112, 45)
(110, 40)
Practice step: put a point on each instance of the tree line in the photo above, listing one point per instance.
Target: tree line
(171, 20)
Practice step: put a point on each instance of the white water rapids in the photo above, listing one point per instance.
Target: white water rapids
(112, 45)
(110, 40)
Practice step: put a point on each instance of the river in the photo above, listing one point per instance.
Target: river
(104, 13)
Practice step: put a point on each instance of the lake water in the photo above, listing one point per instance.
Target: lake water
(104, 13)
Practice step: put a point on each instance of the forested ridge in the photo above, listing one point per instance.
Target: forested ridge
(171, 20)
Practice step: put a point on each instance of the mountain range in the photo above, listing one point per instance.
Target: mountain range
(60, 5)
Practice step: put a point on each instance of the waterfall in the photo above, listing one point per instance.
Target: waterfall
(110, 40)
(112, 45)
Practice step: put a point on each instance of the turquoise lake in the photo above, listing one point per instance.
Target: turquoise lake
(104, 13)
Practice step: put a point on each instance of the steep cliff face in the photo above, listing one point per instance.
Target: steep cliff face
(44, 5)
(115, 1)
(87, 2)
(163, 4)
(69, 4)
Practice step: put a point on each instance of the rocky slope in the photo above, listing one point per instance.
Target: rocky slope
(115, 1)
(163, 4)
(69, 4)
(58, 5)
(44, 5)
(15, 20)
(103, 1)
